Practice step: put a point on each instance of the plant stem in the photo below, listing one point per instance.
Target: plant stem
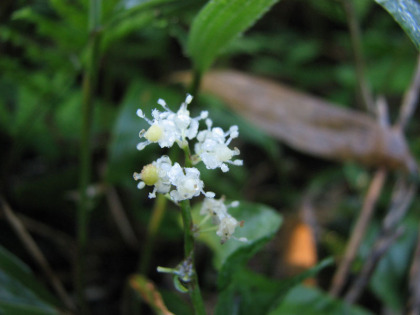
(89, 84)
(193, 286)
(154, 224)
(195, 84)
(363, 87)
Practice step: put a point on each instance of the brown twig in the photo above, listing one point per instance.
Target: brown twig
(356, 41)
(378, 250)
(120, 218)
(63, 241)
(358, 232)
(36, 253)
(402, 196)
(410, 99)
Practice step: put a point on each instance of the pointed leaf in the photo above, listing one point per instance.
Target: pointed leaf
(407, 14)
(218, 23)
(20, 292)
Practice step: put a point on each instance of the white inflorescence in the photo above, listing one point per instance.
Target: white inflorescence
(182, 183)
(187, 182)
(218, 211)
(212, 147)
(168, 127)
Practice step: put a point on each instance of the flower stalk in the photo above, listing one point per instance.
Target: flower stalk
(89, 84)
(193, 286)
(182, 183)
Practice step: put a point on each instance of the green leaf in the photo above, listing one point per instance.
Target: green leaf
(389, 281)
(254, 294)
(260, 225)
(146, 14)
(175, 303)
(20, 292)
(312, 301)
(407, 14)
(218, 23)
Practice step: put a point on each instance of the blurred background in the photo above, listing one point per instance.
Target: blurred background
(45, 54)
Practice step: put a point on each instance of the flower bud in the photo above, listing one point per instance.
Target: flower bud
(154, 133)
(149, 174)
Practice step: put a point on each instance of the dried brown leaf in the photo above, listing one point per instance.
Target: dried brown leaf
(308, 123)
(149, 293)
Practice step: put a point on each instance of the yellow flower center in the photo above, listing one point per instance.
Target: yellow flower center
(154, 133)
(149, 174)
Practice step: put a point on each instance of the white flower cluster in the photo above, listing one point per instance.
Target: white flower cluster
(163, 175)
(217, 210)
(181, 183)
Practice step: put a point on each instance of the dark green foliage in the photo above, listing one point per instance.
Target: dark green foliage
(407, 14)
(21, 292)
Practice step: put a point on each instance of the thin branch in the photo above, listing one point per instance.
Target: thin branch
(410, 99)
(358, 232)
(356, 41)
(120, 217)
(36, 253)
(379, 249)
(402, 196)
(63, 241)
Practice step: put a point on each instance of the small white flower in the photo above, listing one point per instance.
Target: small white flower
(187, 182)
(227, 227)
(212, 147)
(218, 211)
(168, 127)
(216, 208)
(155, 174)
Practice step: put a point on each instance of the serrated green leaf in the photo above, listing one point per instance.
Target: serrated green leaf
(407, 14)
(260, 225)
(219, 22)
(20, 292)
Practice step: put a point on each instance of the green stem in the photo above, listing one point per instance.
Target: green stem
(89, 84)
(193, 287)
(154, 224)
(363, 87)
(195, 84)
